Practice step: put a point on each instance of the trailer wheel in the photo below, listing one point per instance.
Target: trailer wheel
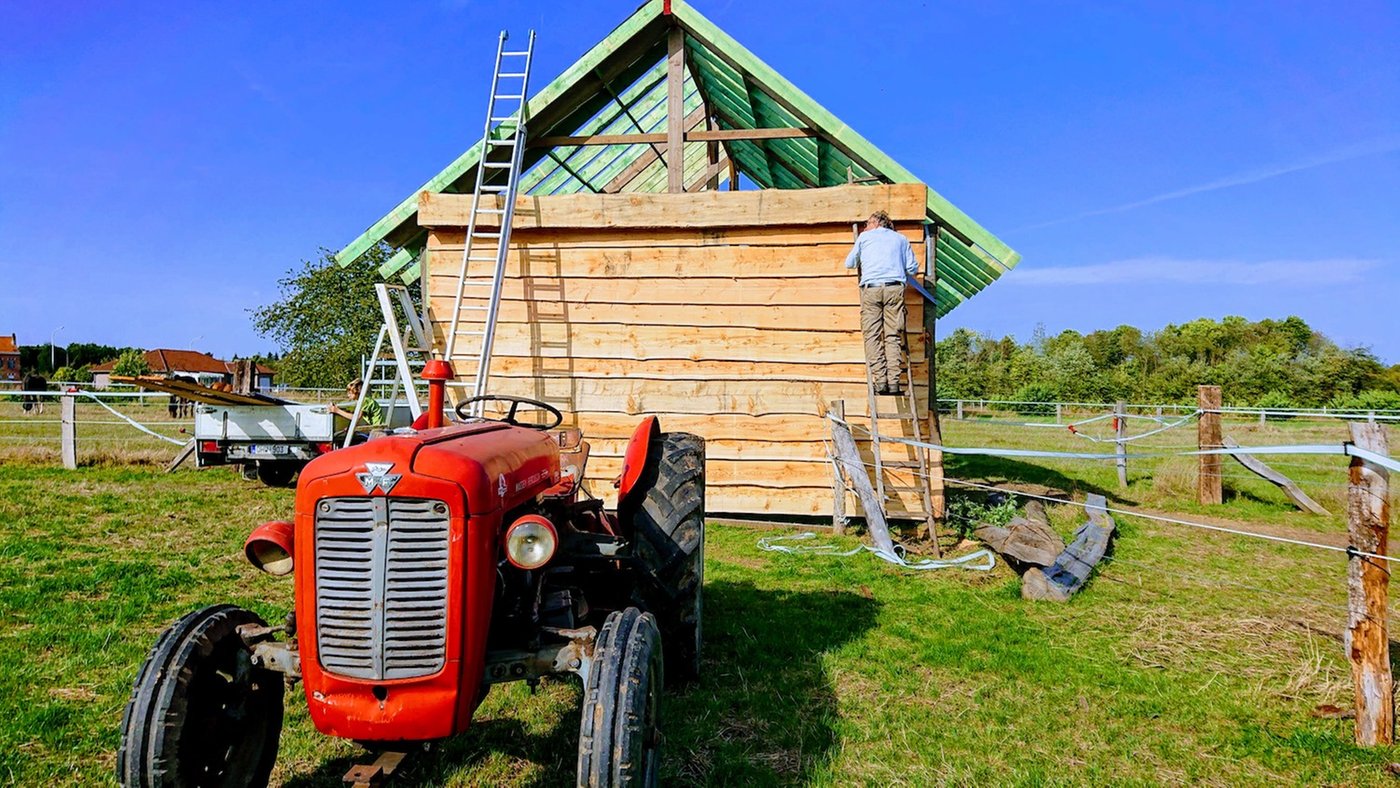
(619, 742)
(200, 713)
(668, 520)
(276, 474)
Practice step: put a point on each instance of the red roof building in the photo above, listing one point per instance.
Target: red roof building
(9, 359)
(200, 367)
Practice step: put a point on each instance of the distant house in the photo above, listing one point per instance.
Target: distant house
(200, 367)
(9, 360)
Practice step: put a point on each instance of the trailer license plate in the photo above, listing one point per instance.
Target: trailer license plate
(272, 448)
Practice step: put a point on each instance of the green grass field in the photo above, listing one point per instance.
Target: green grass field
(1191, 657)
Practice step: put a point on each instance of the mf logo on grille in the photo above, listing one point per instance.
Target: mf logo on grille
(377, 475)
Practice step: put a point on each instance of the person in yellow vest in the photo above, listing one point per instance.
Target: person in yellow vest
(886, 262)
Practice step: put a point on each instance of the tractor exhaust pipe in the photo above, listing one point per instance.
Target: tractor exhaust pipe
(437, 372)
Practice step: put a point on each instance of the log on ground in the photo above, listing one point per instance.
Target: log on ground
(1072, 568)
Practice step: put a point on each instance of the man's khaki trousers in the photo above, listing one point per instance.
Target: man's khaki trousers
(882, 324)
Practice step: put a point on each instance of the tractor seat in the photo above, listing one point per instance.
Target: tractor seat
(572, 464)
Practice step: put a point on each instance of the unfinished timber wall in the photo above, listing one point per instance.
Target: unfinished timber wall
(728, 314)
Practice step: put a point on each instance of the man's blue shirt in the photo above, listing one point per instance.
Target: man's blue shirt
(883, 256)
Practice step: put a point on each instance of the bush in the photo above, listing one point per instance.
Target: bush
(967, 513)
(1040, 393)
(71, 375)
(1371, 399)
(1275, 400)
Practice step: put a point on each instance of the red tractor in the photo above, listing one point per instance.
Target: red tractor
(428, 567)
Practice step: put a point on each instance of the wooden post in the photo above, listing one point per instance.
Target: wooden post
(1368, 590)
(1120, 429)
(1059, 412)
(960, 415)
(675, 110)
(68, 433)
(838, 482)
(1263, 416)
(938, 503)
(1209, 489)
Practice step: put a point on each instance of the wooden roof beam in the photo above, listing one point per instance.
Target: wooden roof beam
(699, 135)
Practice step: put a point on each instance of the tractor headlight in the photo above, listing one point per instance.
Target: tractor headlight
(531, 542)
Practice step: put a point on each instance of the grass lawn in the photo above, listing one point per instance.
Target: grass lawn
(1192, 657)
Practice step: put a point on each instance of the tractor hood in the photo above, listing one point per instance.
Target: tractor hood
(498, 466)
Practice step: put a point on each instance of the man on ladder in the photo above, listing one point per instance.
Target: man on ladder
(886, 261)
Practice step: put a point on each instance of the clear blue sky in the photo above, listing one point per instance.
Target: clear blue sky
(162, 164)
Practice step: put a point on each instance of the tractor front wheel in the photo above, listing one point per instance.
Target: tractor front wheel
(619, 743)
(200, 713)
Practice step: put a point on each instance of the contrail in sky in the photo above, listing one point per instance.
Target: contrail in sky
(1383, 145)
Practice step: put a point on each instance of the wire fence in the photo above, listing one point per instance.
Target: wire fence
(972, 408)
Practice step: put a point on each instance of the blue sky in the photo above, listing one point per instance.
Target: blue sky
(162, 164)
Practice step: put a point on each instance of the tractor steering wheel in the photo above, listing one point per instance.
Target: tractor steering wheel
(463, 410)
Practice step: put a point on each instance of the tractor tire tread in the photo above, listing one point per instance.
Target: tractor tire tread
(614, 709)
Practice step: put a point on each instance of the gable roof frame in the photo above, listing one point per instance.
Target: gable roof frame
(968, 256)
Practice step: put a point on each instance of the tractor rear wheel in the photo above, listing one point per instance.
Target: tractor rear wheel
(619, 743)
(668, 521)
(200, 713)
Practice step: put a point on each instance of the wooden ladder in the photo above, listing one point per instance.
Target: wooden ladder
(906, 412)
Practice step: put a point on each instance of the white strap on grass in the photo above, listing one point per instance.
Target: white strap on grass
(980, 560)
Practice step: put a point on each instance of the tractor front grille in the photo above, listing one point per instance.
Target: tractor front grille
(381, 586)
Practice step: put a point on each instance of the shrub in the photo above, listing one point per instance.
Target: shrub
(71, 375)
(1370, 399)
(1037, 399)
(1275, 400)
(967, 513)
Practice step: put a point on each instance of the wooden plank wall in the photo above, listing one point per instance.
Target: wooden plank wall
(728, 314)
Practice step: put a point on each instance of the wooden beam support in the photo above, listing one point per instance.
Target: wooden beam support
(1368, 590)
(675, 110)
(705, 135)
(645, 160)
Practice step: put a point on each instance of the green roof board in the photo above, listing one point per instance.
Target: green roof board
(619, 87)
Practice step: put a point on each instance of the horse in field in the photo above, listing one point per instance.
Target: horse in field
(179, 407)
(34, 403)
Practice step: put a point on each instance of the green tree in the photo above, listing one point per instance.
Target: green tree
(326, 320)
(131, 363)
(73, 374)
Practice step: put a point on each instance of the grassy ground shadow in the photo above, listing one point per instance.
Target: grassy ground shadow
(762, 713)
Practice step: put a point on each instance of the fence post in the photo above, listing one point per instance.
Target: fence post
(1368, 593)
(960, 412)
(1263, 416)
(1120, 429)
(68, 437)
(1209, 489)
(1059, 412)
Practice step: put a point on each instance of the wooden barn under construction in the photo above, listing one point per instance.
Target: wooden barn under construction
(681, 217)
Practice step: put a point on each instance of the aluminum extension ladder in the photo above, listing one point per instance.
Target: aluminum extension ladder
(507, 104)
(400, 350)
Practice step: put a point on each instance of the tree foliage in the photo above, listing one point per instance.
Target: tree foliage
(1270, 362)
(131, 363)
(73, 374)
(326, 320)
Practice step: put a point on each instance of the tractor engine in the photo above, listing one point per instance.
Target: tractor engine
(397, 543)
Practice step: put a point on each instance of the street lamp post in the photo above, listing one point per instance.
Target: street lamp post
(53, 353)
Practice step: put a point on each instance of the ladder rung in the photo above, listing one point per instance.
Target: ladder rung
(522, 53)
(502, 143)
(486, 235)
(474, 308)
(502, 119)
(490, 210)
(511, 74)
(462, 333)
(499, 165)
(475, 283)
(509, 97)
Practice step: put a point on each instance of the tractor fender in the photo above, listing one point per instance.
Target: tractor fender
(634, 461)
